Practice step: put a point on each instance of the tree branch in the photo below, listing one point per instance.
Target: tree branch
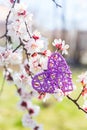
(75, 102)
(18, 1)
(6, 24)
(7, 19)
(3, 36)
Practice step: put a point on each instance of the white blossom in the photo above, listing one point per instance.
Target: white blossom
(21, 79)
(19, 11)
(38, 63)
(57, 43)
(64, 48)
(22, 105)
(34, 46)
(17, 29)
(33, 110)
(83, 78)
(60, 45)
(28, 121)
(9, 57)
(15, 58)
(59, 95)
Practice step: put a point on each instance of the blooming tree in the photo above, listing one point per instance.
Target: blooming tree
(35, 71)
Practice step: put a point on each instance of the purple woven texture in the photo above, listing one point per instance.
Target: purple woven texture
(57, 76)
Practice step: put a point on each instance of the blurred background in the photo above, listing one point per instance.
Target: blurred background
(70, 24)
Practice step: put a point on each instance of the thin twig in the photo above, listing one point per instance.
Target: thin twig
(27, 54)
(28, 30)
(57, 5)
(2, 86)
(75, 102)
(79, 95)
(3, 36)
(7, 19)
(17, 47)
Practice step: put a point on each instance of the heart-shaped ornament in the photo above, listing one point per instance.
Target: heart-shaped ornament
(57, 76)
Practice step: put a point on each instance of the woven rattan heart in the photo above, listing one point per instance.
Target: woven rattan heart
(57, 76)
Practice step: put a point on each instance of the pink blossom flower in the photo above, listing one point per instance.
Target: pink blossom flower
(36, 35)
(47, 53)
(19, 10)
(60, 45)
(34, 46)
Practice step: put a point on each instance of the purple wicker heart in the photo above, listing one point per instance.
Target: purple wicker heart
(57, 76)
(57, 61)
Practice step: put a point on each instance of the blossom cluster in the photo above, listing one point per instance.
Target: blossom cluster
(28, 63)
(27, 52)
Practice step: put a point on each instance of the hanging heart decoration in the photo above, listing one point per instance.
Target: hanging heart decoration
(57, 76)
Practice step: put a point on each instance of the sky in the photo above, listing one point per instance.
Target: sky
(72, 15)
